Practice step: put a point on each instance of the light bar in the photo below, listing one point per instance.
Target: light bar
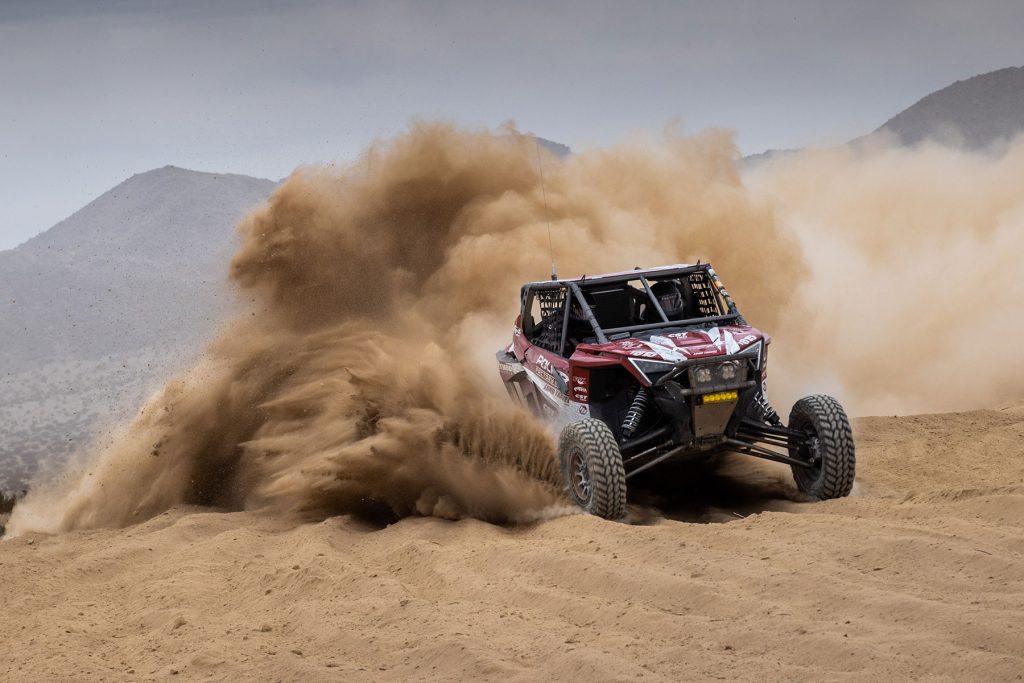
(720, 397)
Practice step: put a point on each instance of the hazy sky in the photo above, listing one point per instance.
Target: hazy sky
(92, 91)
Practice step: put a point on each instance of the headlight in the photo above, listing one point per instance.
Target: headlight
(728, 370)
(708, 376)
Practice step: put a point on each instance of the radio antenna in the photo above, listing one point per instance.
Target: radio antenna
(547, 219)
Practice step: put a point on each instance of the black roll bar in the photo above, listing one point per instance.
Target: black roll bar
(565, 325)
(622, 277)
(674, 323)
(602, 334)
(587, 313)
(654, 299)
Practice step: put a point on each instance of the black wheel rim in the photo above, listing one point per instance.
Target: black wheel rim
(811, 452)
(579, 477)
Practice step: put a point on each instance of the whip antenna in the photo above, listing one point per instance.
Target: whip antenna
(544, 193)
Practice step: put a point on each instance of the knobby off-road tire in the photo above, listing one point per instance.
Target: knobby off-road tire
(592, 468)
(831, 439)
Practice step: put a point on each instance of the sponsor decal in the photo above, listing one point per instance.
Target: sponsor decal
(731, 346)
(545, 378)
(543, 369)
(544, 364)
(547, 385)
(580, 387)
(665, 351)
(723, 340)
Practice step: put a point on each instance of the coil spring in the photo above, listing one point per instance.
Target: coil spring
(636, 411)
(766, 410)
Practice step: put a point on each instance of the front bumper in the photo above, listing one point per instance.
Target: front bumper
(702, 401)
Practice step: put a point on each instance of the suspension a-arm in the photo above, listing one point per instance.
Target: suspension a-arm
(752, 437)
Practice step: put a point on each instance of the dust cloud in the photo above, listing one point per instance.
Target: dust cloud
(361, 375)
(916, 286)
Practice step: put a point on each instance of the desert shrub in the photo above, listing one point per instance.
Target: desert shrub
(7, 501)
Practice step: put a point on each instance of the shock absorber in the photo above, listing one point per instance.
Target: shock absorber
(636, 411)
(766, 410)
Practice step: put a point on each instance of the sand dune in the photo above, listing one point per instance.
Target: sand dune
(919, 575)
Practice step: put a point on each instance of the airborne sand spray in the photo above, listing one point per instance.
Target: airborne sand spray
(364, 373)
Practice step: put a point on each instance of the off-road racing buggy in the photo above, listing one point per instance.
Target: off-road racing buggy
(644, 367)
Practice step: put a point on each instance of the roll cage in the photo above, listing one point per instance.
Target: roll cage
(610, 307)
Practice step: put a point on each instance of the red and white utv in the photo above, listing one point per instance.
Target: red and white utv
(646, 366)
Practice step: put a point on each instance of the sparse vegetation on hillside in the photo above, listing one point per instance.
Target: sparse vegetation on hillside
(61, 407)
(974, 112)
(7, 501)
(98, 311)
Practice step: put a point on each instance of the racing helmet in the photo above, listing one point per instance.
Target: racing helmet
(670, 297)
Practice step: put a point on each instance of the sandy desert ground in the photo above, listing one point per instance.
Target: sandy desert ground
(920, 575)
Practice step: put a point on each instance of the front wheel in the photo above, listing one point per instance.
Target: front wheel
(829, 447)
(592, 468)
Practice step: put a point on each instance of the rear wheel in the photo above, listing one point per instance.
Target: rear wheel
(829, 447)
(592, 468)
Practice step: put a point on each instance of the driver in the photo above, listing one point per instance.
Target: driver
(670, 297)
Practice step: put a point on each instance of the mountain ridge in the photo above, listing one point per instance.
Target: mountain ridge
(98, 310)
(958, 115)
(973, 112)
